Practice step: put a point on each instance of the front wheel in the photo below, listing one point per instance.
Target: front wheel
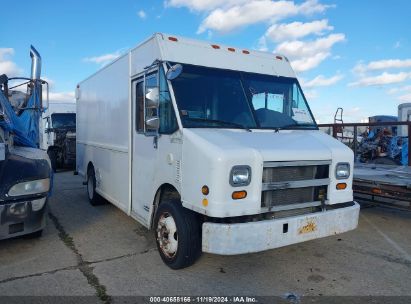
(53, 159)
(178, 235)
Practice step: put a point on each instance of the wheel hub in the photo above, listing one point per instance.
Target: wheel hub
(167, 236)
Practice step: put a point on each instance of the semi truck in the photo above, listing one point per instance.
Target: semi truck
(58, 134)
(25, 174)
(212, 147)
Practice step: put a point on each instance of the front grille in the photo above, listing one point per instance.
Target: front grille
(294, 173)
(287, 184)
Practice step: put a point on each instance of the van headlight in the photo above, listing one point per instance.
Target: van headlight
(240, 176)
(31, 187)
(342, 171)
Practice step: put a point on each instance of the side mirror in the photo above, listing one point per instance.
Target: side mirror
(44, 101)
(153, 123)
(174, 71)
(152, 97)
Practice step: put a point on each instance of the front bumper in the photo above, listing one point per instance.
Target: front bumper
(230, 239)
(26, 222)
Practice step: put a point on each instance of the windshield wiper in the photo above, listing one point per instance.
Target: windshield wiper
(229, 123)
(292, 126)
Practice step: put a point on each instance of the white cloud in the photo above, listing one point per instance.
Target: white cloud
(61, 96)
(352, 111)
(382, 65)
(382, 79)
(295, 49)
(405, 97)
(5, 52)
(142, 14)
(7, 66)
(202, 5)
(404, 91)
(296, 30)
(228, 18)
(103, 59)
(399, 89)
(228, 15)
(321, 81)
(307, 63)
(262, 44)
(306, 55)
(310, 94)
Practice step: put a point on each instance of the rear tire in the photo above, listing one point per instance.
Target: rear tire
(94, 198)
(178, 235)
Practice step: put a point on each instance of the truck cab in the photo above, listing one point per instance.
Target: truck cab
(25, 172)
(58, 132)
(215, 148)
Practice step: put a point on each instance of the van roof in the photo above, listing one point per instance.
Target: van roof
(179, 49)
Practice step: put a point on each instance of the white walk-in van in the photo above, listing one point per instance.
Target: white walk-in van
(213, 147)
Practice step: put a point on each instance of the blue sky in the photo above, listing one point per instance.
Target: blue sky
(350, 54)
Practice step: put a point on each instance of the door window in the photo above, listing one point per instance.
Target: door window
(168, 121)
(140, 106)
(165, 111)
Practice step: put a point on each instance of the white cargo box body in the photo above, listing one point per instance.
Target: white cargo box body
(104, 103)
(131, 168)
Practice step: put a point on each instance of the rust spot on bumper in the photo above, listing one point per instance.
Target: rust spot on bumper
(309, 227)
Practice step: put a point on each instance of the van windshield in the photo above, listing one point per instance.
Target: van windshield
(215, 98)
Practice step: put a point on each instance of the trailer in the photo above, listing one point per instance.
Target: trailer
(212, 147)
(379, 177)
(384, 185)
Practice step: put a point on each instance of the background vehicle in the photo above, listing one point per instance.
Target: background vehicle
(387, 145)
(25, 173)
(213, 147)
(58, 134)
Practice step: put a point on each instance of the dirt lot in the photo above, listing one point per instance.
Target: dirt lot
(102, 253)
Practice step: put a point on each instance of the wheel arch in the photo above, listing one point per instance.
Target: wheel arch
(166, 192)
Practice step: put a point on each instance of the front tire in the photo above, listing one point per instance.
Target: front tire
(178, 235)
(94, 198)
(53, 159)
(34, 235)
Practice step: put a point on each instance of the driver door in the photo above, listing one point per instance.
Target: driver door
(144, 138)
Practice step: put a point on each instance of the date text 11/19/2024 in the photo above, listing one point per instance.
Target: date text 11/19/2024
(203, 299)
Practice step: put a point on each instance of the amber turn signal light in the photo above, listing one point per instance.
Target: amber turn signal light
(376, 191)
(341, 186)
(239, 194)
